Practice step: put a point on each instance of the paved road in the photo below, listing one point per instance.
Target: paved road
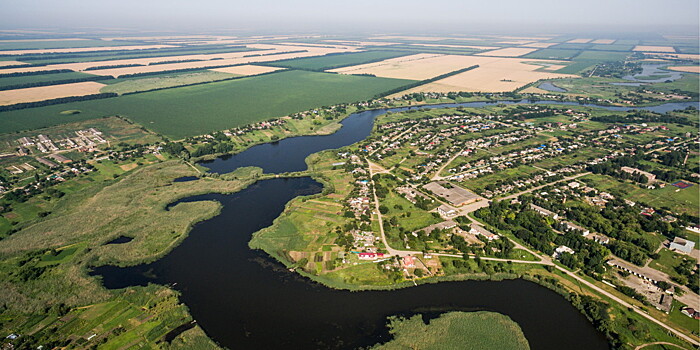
(512, 196)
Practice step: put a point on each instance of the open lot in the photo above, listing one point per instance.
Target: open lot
(9, 97)
(199, 109)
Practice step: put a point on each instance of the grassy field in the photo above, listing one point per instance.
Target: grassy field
(200, 109)
(336, 61)
(553, 54)
(684, 201)
(456, 330)
(123, 86)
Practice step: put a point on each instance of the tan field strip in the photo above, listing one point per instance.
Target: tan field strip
(494, 74)
(205, 60)
(247, 69)
(688, 69)
(579, 41)
(654, 48)
(169, 37)
(603, 41)
(11, 63)
(415, 38)
(115, 72)
(361, 43)
(515, 42)
(531, 38)
(42, 93)
(84, 49)
(508, 52)
(683, 56)
(540, 45)
(34, 40)
(459, 46)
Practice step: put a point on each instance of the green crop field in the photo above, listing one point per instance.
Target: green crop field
(601, 56)
(129, 85)
(42, 78)
(199, 109)
(336, 61)
(553, 54)
(456, 330)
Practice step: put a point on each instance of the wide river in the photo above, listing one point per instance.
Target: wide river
(244, 299)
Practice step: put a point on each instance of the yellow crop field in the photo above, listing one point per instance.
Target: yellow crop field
(11, 63)
(539, 45)
(579, 41)
(41, 93)
(603, 41)
(654, 48)
(459, 46)
(688, 69)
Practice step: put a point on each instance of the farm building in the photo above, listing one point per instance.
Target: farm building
(446, 211)
(682, 245)
(544, 212)
(457, 196)
(481, 231)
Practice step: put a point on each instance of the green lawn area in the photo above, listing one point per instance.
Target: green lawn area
(667, 262)
(200, 109)
(685, 200)
(456, 330)
(337, 60)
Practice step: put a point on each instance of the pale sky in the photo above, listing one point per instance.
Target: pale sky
(357, 15)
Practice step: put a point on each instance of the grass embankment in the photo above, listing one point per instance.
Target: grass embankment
(456, 330)
(200, 109)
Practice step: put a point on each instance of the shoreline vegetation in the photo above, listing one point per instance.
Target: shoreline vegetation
(150, 189)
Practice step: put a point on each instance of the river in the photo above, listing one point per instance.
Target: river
(242, 298)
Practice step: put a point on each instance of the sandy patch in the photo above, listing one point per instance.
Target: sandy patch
(459, 46)
(540, 45)
(127, 167)
(654, 48)
(508, 52)
(246, 70)
(11, 63)
(688, 69)
(603, 41)
(205, 60)
(579, 41)
(83, 49)
(41, 93)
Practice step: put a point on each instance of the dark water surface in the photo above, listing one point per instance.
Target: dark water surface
(244, 299)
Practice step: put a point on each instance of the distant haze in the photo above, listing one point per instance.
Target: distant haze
(593, 16)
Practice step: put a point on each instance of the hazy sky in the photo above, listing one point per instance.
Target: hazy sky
(358, 15)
